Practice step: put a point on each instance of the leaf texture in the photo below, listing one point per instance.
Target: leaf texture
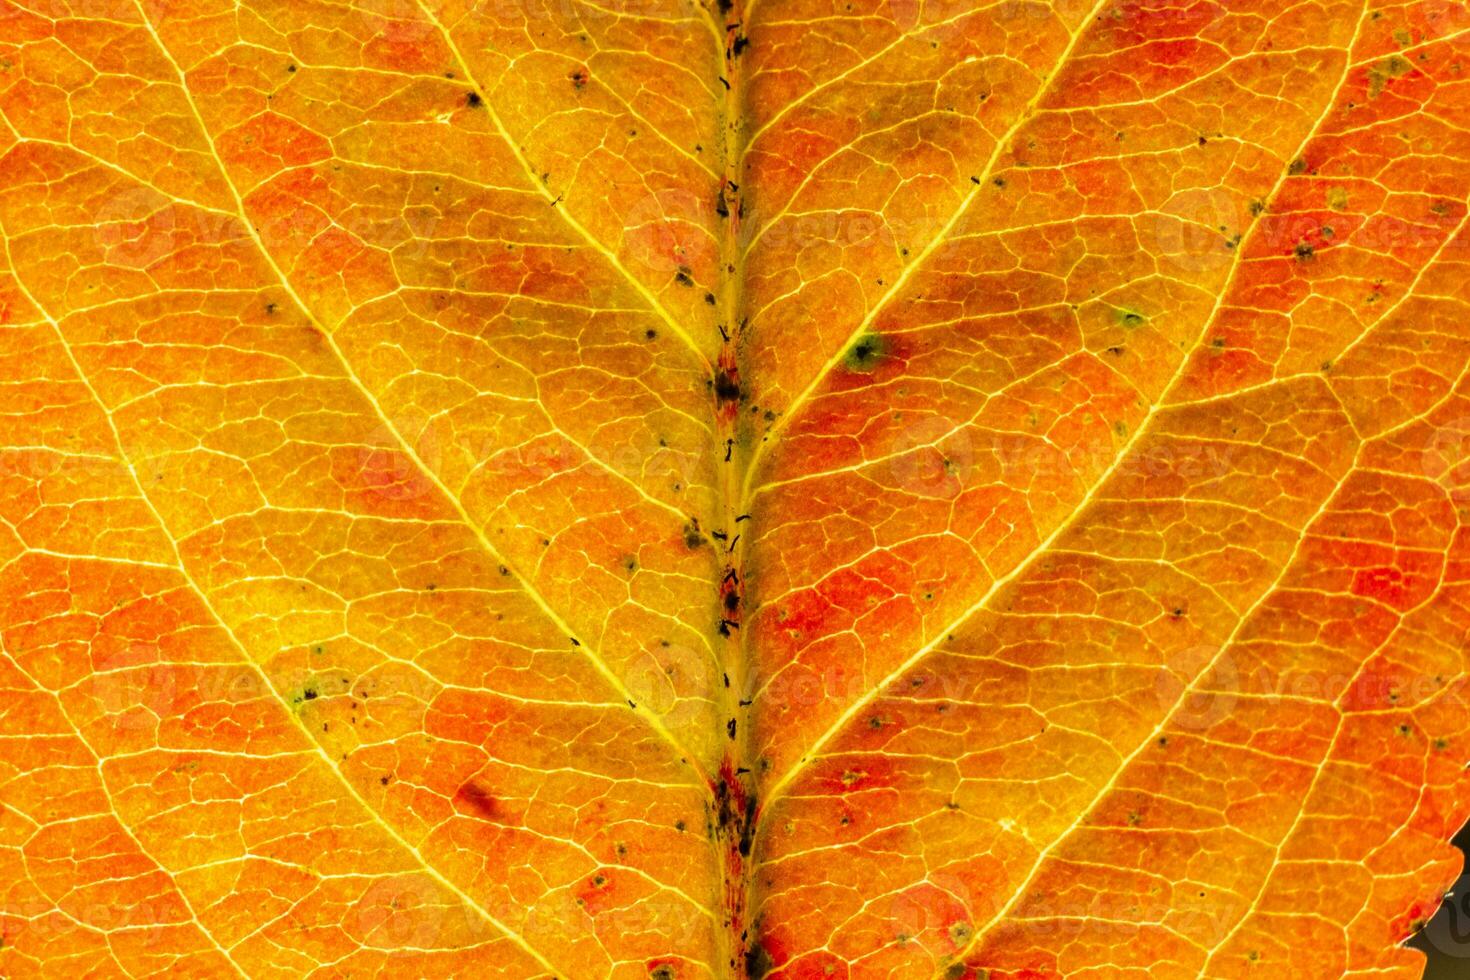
(782, 488)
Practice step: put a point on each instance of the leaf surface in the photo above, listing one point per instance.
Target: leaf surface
(902, 489)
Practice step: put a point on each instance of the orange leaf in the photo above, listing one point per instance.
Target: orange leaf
(766, 488)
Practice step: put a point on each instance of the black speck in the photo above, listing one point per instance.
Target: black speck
(692, 538)
(726, 389)
(473, 100)
(864, 354)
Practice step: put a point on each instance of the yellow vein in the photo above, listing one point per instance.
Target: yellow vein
(1306, 796)
(1368, 658)
(1122, 454)
(545, 192)
(594, 657)
(882, 52)
(235, 641)
(1019, 893)
(933, 245)
(107, 793)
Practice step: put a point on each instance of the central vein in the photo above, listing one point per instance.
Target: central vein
(736, 806)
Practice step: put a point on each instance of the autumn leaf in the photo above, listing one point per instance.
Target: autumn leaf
(766, 488)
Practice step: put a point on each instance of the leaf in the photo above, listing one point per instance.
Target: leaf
(778, 488)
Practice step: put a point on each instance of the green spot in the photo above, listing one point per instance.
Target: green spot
(1129, 318)
(1380, 73)
(1337, 199)
(309, 691)
(757, 962)
(866, 353)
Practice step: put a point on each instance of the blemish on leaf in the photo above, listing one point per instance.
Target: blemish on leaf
(757, 962)
(864, 355)
(692, 536)
(478, 801)
(1379, 74)
(725, 387)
